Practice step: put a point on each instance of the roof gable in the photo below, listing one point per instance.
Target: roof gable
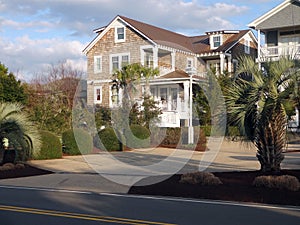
(158, 36)
(286, 14)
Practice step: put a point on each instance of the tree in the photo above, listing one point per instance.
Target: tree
(51, 97)
(21, 133)
(11, 90)
(256, 104)
(145, 114)
(127, 80)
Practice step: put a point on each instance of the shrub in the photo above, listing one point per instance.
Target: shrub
(279, 182)
(179, 137)
(138, 137)
(7, 166)
(233, 133)
(51, 146)
(109, 139)
(82, 144)
(206, 129)
(203, 178)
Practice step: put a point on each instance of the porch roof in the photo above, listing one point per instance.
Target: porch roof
(175, 77)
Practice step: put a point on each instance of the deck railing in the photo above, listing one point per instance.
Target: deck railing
(275, 52)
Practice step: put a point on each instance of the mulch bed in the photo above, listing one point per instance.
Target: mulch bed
(24, 172)
(237, 186)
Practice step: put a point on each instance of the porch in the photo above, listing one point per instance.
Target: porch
(275, 52)
(172, 94)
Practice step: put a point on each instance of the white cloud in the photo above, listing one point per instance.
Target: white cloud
(37, 33)
(27, 57)
(81, 16)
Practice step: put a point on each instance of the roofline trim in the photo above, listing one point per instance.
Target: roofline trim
(162, 80)
(164, 47)
(270, 13)
(251, 33)
(107, 28)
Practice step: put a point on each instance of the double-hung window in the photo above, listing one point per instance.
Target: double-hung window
(216, 41)
(97, 64)
(120, 34)
(117, 61)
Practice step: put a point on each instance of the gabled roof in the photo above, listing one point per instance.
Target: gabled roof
(274, 13)
(159, 36)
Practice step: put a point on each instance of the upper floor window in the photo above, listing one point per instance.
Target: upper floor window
(97, 64)
(189, 63)
(216, 41)
(117, 61)
(247, 46)
(148, 61)
(119, 34)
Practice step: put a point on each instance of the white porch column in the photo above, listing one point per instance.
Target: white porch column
(155, 57)
(173, 60)
(191, 128)
(229, 65)
(259, 44)
(222, 62)
(186, 86)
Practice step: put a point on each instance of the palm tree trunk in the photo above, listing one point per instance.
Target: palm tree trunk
(270, 141)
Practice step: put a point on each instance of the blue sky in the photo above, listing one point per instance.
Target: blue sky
(37, 33)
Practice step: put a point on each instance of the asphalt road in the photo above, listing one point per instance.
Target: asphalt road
(53, 207)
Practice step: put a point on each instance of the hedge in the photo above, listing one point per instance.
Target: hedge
(77, 141)
(137, 137)
(51, 146)
(109, 140)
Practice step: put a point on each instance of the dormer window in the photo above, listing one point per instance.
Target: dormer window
(216, 41)
(119, 34)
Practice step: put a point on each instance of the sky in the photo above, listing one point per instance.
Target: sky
(35, 34)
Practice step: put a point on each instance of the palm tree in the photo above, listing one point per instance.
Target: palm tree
(130, 76)
(127, 80)
(20, 132)
(256, 104)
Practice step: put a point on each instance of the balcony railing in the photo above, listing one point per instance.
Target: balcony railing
(276, 52)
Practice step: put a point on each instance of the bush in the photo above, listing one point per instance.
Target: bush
(279, 182)
(178, 137)
(82, 144)
(139, 137)
(109, 140)
(206, 129)
(51, 146)
(203, 178)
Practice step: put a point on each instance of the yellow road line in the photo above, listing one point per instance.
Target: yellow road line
(108, 219)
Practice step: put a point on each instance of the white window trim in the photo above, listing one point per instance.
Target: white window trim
(95, 94)
(187, 62)
(212, 46)
(120, 60)
(96, 70)
(247, 46)
(116, 34)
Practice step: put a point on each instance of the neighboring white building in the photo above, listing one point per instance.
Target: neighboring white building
(280, 28)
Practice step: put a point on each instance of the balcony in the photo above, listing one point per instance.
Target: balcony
(275, 52)
(164, 68)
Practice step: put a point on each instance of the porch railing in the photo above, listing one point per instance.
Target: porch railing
(275, 52)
